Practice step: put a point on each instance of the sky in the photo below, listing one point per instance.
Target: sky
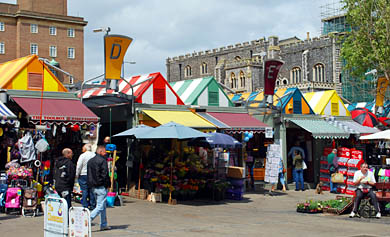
(168, 28)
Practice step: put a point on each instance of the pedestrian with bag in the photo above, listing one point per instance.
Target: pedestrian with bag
(88, 198)
(99, 181)
(333, 167)
(64, 175)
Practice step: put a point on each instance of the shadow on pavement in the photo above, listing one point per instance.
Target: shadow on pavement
(113, 227)
(209, 202)
(9, 217)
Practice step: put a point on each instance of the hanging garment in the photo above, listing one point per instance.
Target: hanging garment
(26, 148)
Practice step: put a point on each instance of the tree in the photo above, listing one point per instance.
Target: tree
(367, 45)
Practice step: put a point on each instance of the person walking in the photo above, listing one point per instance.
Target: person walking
(298, 166)
(88, 198)
(332, 167)
(99, 181)
(64, 175)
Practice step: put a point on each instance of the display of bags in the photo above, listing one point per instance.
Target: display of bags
(337, 178)
(26, 148)
(304, 166)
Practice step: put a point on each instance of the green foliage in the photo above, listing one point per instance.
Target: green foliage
(367, 46)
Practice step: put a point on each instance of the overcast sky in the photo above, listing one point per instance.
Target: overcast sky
(168, 28)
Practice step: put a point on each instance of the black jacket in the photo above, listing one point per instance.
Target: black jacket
(98, 172)
(64, 174)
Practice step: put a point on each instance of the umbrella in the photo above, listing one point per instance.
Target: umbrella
(383, 135)
(384, 120)
(364, 117)
(217, 140)
(172, 130)
(136, 131)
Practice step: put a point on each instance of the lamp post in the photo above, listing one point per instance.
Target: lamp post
(123, 66)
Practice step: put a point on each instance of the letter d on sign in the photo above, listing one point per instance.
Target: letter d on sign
(271, 70)
(115, 47)
(117, 53)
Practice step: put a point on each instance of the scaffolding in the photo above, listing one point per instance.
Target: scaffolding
(333, 18)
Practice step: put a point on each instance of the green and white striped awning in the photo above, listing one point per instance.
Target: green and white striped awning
(320, 129)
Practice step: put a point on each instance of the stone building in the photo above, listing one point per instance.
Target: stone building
(43, 28)
(311, 65)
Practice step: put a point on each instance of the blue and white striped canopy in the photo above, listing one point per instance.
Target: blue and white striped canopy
(6, 115)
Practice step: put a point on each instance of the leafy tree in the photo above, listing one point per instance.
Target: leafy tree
(367, 45)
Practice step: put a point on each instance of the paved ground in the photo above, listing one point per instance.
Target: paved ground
(256, 215)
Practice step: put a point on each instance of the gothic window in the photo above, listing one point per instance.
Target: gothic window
(233, 80)
(296, 75)
(204, 68)
(187, 71)
(319, 73)
(242, 79)
(237, 58)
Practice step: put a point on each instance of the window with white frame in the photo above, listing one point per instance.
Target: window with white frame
(233, 80)
(71, 32)
(71, 80)
(187, 71)
(53, 30)
(53, 51)
(2, 48)
(204, 68)
(296, 75)
(242, 79)
(34, 48)
(319, 73)
(71, 53)
(2, 26)
(34, 28)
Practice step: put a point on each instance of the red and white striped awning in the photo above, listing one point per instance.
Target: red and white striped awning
(150, 89)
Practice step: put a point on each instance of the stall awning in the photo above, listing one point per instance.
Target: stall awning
(186, 118)
(56, 110)
(213, 120)
(239, 121)
(353, 127)
(6, 115)
(320, 129)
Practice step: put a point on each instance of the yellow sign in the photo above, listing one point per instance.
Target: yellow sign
(115, 47)
(381, 88)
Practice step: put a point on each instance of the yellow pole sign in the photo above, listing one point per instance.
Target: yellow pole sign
(381, 90)
(115, 47)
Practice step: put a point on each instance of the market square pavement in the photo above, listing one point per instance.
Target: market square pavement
(256, 215)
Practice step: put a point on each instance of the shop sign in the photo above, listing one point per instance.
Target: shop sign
(79, 222)
(269, 133)
(56, 217)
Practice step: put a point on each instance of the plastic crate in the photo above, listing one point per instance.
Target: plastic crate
(236, 182)
(234, 195)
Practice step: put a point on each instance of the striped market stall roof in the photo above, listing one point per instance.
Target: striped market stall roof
(26, 74)
(148, 89)
(368, 105)
(291, 100)
(202, 91)
(326, 103)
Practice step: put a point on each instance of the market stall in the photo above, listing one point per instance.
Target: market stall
(327, 103)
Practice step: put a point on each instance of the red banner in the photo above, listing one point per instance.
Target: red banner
(271, 70)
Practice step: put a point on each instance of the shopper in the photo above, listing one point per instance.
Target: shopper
(281, 177)
(332, 167)
(99, 181)
(291, 154)
(88, 198)
(298, 166)
(364, 180)
(64, 175)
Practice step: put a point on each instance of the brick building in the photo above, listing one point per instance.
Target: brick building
(44, 28)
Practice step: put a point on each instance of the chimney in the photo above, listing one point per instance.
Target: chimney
(308, 35)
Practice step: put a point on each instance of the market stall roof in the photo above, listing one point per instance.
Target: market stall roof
(149, 89)
(186, 118)
(26, 74)
(368, 105)
(384, 135)
(202, 91)
(291, 102)
(6, 115)
(213, 120)
(353, 127)
(320, 129)
(239, 122)
(326, 103)
(56, 108)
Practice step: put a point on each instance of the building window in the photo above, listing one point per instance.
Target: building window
(242, 79)
(2, 48)
(53, 30)
(237, 58)
(296, 75)
(204, 68)
(187, 71)
(34, 28)
(53, 51)
(71, 80)
(319, 73)
(2, 26)
(71, 32)
(34, 49)
(35, 81)
(71, 53)
(233, 80)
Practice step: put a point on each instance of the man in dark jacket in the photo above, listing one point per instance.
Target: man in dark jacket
(64, 175)
(99, 181)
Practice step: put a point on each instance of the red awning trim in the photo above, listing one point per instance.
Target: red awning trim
(36, 122)
(239, 122)
(238, 131)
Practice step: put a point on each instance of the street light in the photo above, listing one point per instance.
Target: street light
(101, 29)
(123, 67)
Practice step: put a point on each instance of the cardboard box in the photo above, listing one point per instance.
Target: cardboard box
(236, 172)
